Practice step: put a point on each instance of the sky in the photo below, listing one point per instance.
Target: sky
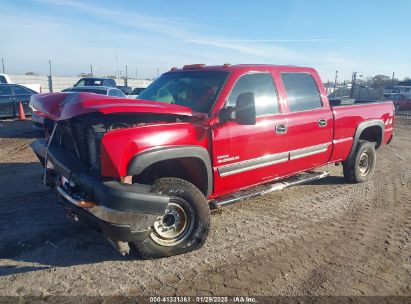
(150, 37)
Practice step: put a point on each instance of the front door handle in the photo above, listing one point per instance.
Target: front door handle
(322, 123)
(281, 129)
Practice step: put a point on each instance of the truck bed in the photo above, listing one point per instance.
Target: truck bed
(348, 117)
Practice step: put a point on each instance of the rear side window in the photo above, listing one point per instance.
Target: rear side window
(262, 86)
(302, 92)
(93, 82)
(3, 79)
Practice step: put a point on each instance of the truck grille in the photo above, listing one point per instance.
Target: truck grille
(81, 141)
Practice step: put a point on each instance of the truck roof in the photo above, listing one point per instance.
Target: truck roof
(243, 67)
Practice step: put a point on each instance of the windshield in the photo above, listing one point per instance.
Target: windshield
(197, 90)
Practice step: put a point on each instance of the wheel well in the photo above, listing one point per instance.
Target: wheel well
(191, 169)
(372, 134)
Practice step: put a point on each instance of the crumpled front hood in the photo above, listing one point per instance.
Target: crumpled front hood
(61, 106)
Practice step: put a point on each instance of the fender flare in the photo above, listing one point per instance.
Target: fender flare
(143, 160)
(361, 127)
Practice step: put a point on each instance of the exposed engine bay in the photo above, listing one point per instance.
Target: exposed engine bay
(81, 135)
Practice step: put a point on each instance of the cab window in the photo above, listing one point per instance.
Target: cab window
(302, 92)
(263, 88)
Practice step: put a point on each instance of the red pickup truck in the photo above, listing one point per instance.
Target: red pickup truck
(147, 172)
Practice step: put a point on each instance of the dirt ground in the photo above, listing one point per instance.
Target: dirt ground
(323, 238)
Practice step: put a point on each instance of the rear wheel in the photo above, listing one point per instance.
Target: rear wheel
(361, 165)
(184, 225)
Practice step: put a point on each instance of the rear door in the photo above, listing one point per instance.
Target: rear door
(245, 155)
(310, 121)
(6, 101)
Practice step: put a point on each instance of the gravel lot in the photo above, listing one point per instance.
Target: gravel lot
(324, 238)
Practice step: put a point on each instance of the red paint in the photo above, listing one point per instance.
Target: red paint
(119, 146)
(228, 140)
(61, 106)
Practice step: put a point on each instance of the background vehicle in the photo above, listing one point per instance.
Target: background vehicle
(109, 91)
(92, 81)
(135, 92)
(10, 97)
(32, 86)
(125, 89)
(401, 102)
(38, 117)
(148, 172)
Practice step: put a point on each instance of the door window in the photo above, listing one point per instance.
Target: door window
(263, 88)
(5, 90)
(20, 91)
(302, 92)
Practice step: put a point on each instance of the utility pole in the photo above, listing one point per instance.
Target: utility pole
(353, 80)
(136, 73)
(91, 69)
(2, 63)
(50, 79)
(158, 72)
(335, 81)
(116, 65)
(126, 80)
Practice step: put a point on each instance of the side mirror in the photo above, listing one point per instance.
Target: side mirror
(226, 114)
(245, 109)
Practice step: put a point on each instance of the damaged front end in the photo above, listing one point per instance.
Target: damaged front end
(90, 140)
(71, 157)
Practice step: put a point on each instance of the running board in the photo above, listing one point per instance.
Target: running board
(242, 195)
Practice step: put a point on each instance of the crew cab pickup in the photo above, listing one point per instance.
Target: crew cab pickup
(147, 172)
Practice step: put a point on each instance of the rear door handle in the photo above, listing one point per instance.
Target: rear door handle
(281, 129)
(322, 122)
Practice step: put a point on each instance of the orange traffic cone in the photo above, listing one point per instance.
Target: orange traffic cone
(22, 116)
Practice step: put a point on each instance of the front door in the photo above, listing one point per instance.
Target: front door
(245, 155)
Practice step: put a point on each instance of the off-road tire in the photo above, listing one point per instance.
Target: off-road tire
(354, 169)
(182, 193)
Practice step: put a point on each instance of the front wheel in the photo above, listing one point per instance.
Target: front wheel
(361, 165)
(184, 225)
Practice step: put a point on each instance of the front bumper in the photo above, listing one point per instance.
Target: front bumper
(122, 212)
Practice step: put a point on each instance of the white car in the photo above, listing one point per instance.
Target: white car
(32, 86)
